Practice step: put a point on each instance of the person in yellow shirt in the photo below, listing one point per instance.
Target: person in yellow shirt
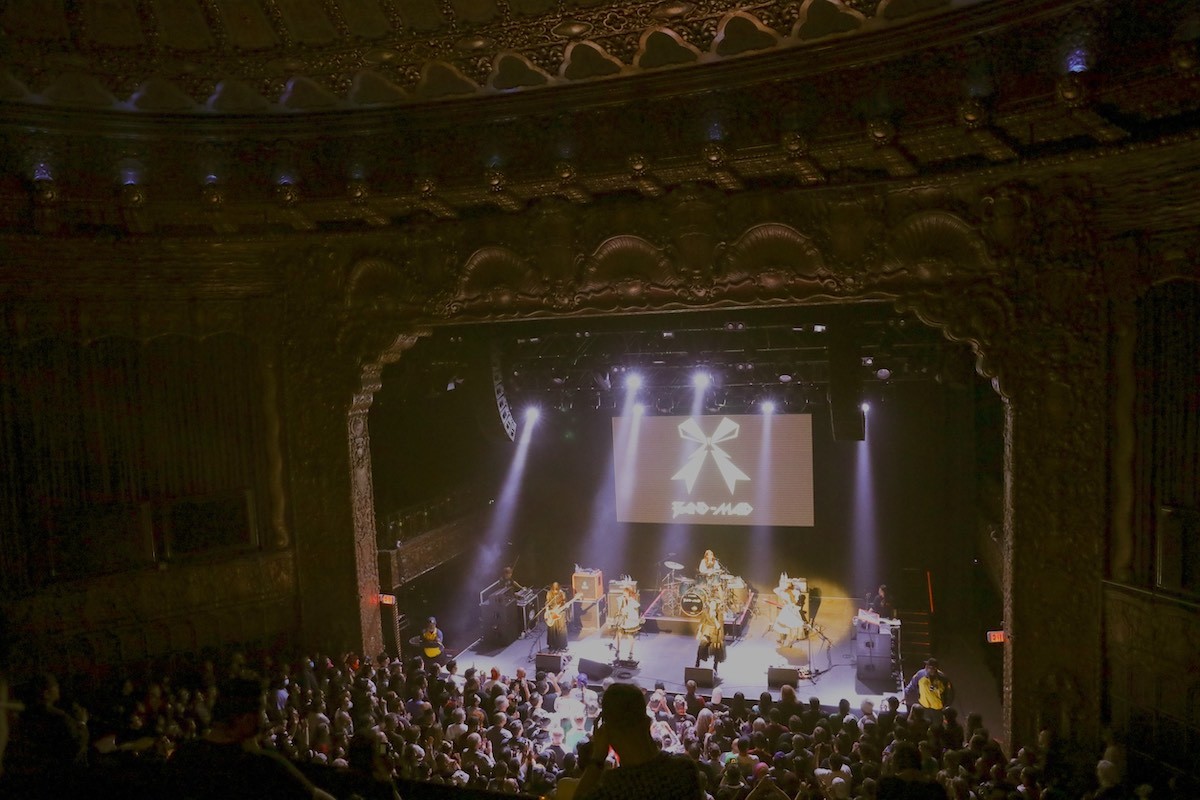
(934, 687)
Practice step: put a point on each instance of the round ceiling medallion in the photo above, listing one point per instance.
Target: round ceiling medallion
(672, 10)
(571, 28)
(380, 55)
(472, 43)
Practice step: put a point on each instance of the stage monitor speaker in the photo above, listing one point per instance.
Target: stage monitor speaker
(703, 676)
(782, 676)
(551, 663)
(869, 645)
(875, 667)
(596, 671)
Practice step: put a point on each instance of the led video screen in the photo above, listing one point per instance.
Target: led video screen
(735, 469)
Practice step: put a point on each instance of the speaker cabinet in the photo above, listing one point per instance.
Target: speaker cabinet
(592, 614)
(551, 663)
(874, 667)
(501, 622)
(596, 671)
(703, 676)
(587, 584)
(869, 645)
(846, 388)
(782, 676)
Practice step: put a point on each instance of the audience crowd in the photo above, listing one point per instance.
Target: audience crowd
(378, 728)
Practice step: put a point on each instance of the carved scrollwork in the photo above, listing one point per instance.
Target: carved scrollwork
(853, 229)
(934, 244)
(981, 315)
(374, 285)
(1007, 214)
(766, 259)
(498, 275)
(628, 261)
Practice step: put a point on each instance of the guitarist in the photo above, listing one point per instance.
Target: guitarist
(556, 618)
(710, 637)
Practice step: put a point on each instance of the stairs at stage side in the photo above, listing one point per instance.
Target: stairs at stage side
(916, 639)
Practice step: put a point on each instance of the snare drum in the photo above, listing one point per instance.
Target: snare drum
(693, 603)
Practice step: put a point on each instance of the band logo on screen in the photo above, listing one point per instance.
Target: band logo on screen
(726, 430)
(699, 469)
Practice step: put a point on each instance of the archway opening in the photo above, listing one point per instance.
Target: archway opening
(904, 459)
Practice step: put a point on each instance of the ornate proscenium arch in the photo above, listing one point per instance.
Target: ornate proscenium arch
(362, 489)
(926, 258)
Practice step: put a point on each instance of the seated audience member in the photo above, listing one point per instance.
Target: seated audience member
(8, 705)
(644, 770)
(48, 747)
(906, 780)
(368, 774)
(224, 762)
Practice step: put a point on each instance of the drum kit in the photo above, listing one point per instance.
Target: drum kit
(687, 597)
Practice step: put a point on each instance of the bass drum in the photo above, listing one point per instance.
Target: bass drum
(693, 603)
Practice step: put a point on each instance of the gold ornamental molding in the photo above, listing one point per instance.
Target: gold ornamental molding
(218, 57)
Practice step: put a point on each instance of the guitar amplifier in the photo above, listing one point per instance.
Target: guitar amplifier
(587, 584)
(527, 603)
(592, 614)
(873, 644)
(502, 621)
(876, 667)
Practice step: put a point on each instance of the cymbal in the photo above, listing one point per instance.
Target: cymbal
(672, 565)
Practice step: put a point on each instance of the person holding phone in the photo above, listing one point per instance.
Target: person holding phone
(643, 769)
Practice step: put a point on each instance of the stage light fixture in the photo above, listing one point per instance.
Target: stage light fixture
(638, 409)
(865, 407)
(818, 328)
(532, 413)
(768, 407)
(633, 381)
(701, 380)
(785, 377)
(883, 373)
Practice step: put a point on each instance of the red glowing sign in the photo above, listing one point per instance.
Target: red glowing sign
(996, 637)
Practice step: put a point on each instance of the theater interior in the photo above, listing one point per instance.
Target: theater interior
(280, 279)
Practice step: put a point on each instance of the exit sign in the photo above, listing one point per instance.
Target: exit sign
(996, 637)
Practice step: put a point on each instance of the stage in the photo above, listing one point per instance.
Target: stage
(822, 666)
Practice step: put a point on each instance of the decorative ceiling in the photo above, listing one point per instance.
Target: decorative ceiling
(253, 56)
(195, 118)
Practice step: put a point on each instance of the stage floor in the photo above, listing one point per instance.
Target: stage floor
(662, 656)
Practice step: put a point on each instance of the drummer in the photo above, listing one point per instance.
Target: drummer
(710, 569)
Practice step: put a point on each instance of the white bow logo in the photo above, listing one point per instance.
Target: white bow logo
(726, 429)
